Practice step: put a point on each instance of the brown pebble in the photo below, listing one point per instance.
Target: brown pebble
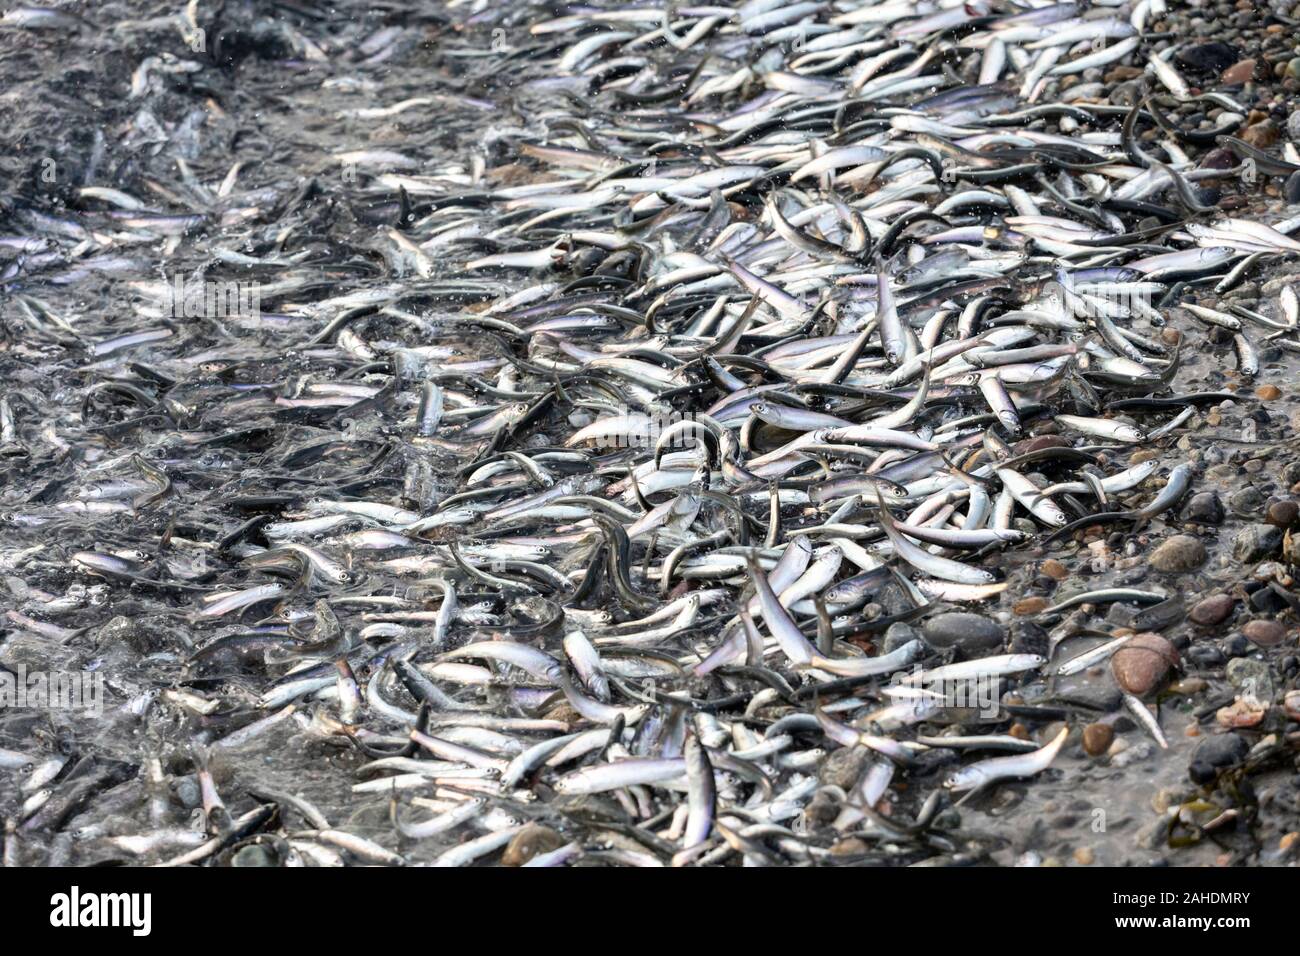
(1038, 442)
(1282, 514)
(1288, 840)
(1243, 712)
(1188, 686)
(529, 842)
(1143, 662)
(1178, 554)
(1122, 74)
(1238, 73)
(851, 846)
(1029, 605)
(1144, 454)
(1264, 633)
(1212, 610)
(1170, 336)
(1261, 135)
(1055, 569)
(1084, 856)
(1019, 731)
(1268, 392)
(1097, 738)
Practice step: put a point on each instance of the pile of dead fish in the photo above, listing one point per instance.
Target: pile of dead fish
(560, 510)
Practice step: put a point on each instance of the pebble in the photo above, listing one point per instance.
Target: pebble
(529, 842)
(1122, 74)
(1214, 57)
(1180, 553)
(1097, 738)
(844, 767)
(1132, 755)
(1084, 856)
(1268, 392)
(1143, 663)
(850, 846)
(1256, 542)
(1246, 501)
(253, 855)
(1029, 605)
(1282, 514)
(1039, 442)
(1291, 547)
(968, 632)
(899, 633)
(1251, 677)
(1264, 633)
(1261, 135)
(1216, 753)
(1293, 125)
(1055, 569)
(1204, 508)
(1094, 693)
(1212, 610)
(1188, 686)
(1242, 712)
(1238, 73)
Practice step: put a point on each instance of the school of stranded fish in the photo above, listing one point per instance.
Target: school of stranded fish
(592, 505)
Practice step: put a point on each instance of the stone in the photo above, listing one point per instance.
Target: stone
(1055, 569)
(1213, 57)
(899, 633)
(1246, 501)
(1261, 135)
(1212, 610)
(1282, 514)
(1256, 542)
(253, 855)
(1142, 663)
(1251, 678)
(1268, 393)
(1122, 74)
(970, 633)
(1215, 754)
(1097, 738)
(844, 767)
(1178, 554)
(1038, 442)
(850, 846)
(1096, 693)
(1029, 605)
(1204, 508)
(532, 840)
(1242, 712)
(1239, 73)
(1135, 754)
(1263, 633)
